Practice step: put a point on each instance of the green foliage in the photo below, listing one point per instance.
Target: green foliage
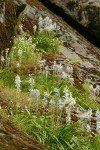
(43, 131)
(84, 99)
(26, 47)
(65, 137)
(46, 43)
(8, 77)
(44, 83)
(20, 19)
(25, 86)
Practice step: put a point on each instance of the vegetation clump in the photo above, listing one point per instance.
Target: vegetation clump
(44, 101)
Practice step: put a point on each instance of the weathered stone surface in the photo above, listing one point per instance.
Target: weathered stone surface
(85, 12)
(7, 23)
(9, 11)
(11, 138)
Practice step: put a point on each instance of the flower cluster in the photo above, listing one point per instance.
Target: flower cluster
(46, 24)
(64, 72)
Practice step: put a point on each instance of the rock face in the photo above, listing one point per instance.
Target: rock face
(85, 12)
(9, 11)
(7, 23)
(13, 139)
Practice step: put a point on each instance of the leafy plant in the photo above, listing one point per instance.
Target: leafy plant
(46, 43)
(23, 51)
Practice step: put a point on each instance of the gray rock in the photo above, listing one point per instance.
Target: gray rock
(85, 12)
(9, 12)
(7, 23)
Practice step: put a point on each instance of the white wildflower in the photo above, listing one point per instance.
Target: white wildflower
(86, 115)
(66, 94)
(96, 90)
(55, 25)
(40, 24)
(40, 18)
(8, 62)
(71, 80)
(2, 59)
(46, 71)
(31, 81)
(34, 46)
(72, 100)
(69, 69)
(58, 28)
(64, 75)
(17, 82)
(57, 68)
(68, 118)
(57, 92)
(21, 29)
(74, 139)
(18, 65)
(7, 50)
(52, 104)
(45, 99)
(46, 24)
(42, 63)
(46, 21)
(68, 110)
(35, 93)
(20, 52)
(61, 104)
(88, 128)
(34, 28)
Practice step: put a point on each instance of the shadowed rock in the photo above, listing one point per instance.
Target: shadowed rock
(83, 15)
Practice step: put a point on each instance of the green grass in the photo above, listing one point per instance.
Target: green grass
(48, 84)
(84, 99)
(8, 77)
(58, 138)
